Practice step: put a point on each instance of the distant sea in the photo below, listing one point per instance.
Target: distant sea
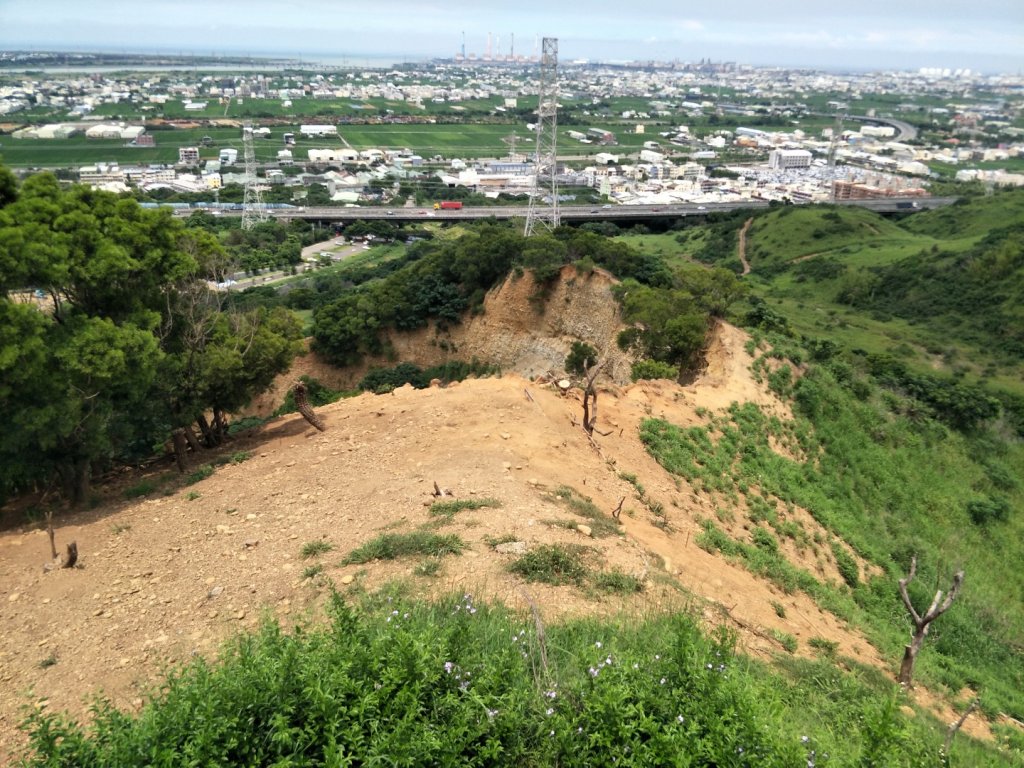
(256, 63)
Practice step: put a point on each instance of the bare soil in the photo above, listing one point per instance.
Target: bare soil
(170, 576)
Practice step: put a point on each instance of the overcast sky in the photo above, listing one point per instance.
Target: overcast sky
(984, 35)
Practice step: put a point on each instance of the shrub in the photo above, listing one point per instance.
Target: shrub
(553, 564)
(985, 511)
(653, 369)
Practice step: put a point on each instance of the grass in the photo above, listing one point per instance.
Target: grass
(889, 483)
(49, 661)
(118, 528)
(786, 640)
(141, 488)
(554, 564)
(824, 647)
(494, 541)
(451, 508)
(200, 474)
(390, 546)
(459, 682)
(600, 524)
(315, 548)
(429, 567)
(617, 582)
(312, 571)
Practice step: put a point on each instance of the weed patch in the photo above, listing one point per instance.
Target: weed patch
(315, 548)
(199, 474)
(600, 524)
(451, 508)
(390, 546)
(554, 564)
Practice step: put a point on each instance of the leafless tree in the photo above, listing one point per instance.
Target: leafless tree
(590, 395)
(923, 622)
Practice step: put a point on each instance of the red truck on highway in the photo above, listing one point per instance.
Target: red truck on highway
(448, 205)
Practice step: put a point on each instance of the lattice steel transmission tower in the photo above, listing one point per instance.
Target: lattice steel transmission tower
(254, 210)
(545, 176)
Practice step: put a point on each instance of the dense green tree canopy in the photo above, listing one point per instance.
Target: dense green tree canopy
(109, 338)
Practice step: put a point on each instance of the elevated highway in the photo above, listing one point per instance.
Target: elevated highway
(570, 213)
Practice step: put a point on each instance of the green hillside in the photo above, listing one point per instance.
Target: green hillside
(969, 218)
(789, 234)
(940, 290)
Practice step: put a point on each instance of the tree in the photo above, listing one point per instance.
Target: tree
(581, 357)
(922, 623)
(127, 344)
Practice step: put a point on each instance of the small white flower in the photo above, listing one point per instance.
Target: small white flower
(597, 644)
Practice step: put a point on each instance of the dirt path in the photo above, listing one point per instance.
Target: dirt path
(743, 245)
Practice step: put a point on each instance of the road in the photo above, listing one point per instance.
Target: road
(569, 213)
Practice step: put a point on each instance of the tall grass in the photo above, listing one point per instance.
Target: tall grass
(390, 682)
(892, 483)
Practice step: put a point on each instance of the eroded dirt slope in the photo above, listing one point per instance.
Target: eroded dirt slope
(170, 576)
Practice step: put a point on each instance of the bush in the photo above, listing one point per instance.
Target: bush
(653, 369)
(990, 510)
(553, 564)
(846, 565)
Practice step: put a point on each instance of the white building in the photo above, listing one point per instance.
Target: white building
(188, 155)
(228, 156)
(318, 130)
(784, 159)
(650, 156)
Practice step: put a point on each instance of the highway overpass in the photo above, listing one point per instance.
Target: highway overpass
(569, 213)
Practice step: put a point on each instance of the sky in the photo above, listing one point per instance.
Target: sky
(983, 35)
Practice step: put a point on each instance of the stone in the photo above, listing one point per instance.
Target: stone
(584, 529)
(505, 436)
(215, 591)
(511, 548)
(348, 578)
(250, 543)
(13, 597)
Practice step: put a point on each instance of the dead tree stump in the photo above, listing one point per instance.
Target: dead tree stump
(72, 556)
(302, 404)
(180, 449)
